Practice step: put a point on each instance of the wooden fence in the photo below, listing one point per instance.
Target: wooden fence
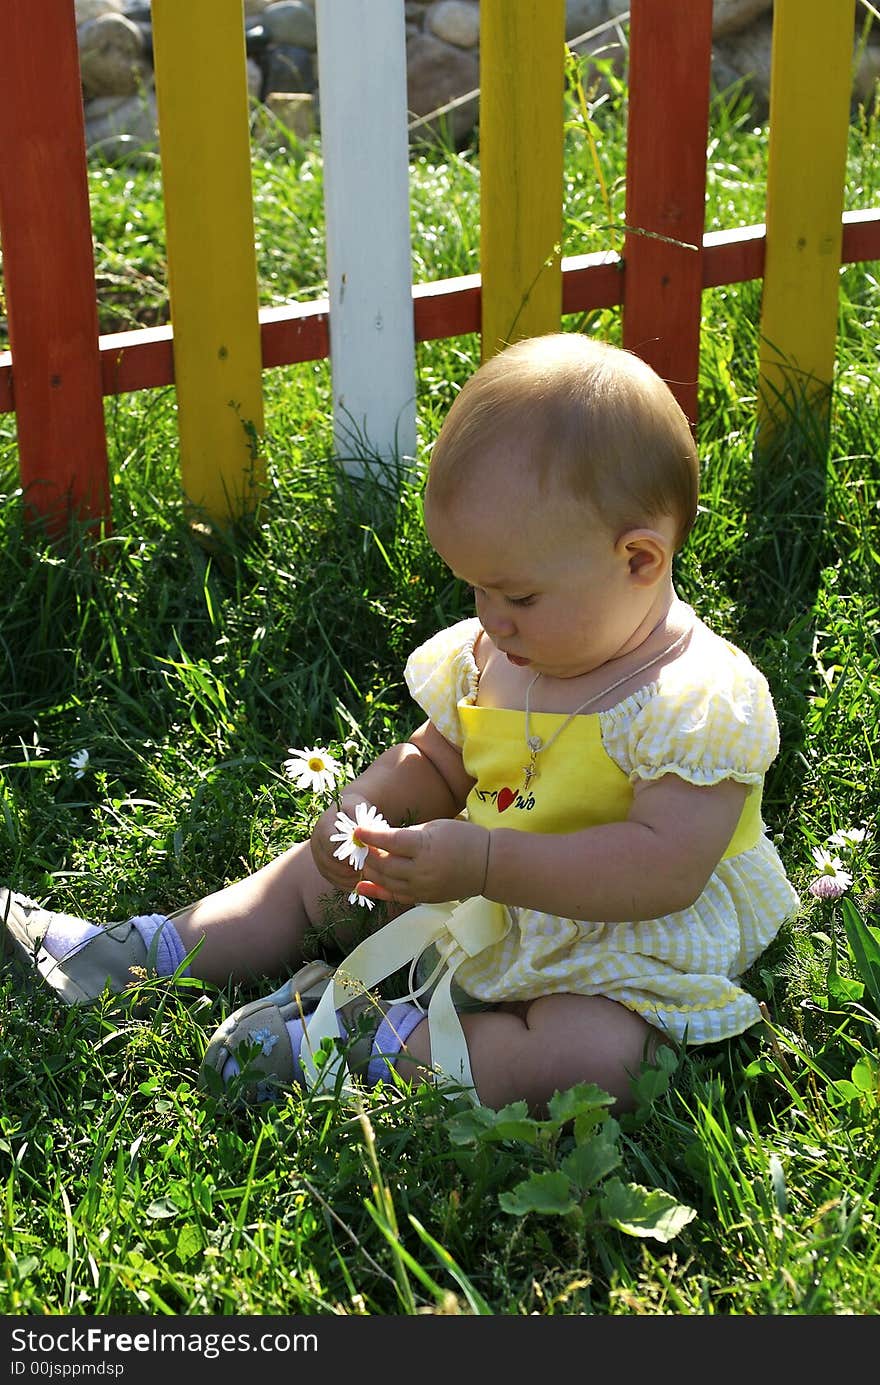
(219, 342)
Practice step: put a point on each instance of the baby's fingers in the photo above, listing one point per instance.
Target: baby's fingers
(389, 841)
(371, 890)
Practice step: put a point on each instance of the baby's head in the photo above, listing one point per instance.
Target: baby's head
(576, 418)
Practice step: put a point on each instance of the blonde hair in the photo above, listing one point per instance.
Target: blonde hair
(589, 417)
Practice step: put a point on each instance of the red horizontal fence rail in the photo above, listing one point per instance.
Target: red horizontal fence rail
(299, 332)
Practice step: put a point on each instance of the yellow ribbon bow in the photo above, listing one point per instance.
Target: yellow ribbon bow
(459, 930)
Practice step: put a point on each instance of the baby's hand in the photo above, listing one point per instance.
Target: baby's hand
(427, 864)
(338, 872)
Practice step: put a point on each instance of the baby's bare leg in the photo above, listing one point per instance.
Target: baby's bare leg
(529, 1052)
(256, 926)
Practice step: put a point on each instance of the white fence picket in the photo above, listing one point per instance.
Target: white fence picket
(362, 81)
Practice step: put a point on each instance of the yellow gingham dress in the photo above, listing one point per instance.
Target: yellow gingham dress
(679, 971)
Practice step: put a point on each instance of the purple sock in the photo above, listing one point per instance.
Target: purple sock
(66, 936)
(170, 951)
(392, 1034)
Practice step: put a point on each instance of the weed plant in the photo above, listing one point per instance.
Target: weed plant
(187, 673)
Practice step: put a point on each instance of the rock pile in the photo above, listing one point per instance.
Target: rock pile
(442, 51)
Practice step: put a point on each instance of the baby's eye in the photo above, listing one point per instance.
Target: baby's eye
(521, 600)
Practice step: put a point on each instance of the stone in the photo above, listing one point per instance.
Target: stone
(119, 125)
(288, 68)
(747, 55)
(112, 57)
(583, 15)
(92, 9)
(455, 21)
(256, 38)
(295, 110)
(731, 16)
(254, 79)
(442, 46)
(138, 11)
(867, 73)
(290, 21)
(437, 73)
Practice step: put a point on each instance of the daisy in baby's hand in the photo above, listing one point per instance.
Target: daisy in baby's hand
(350, 847)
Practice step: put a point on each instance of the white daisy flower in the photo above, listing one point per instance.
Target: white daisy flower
(363, 900)
(312, 769)
(79, 762)
(848, 837)
(825, 863)
(350, 849)
(833, 880)
(830, 886)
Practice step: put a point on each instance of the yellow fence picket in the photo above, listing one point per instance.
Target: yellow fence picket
(204, 136)
(809, 124)
(522, 49)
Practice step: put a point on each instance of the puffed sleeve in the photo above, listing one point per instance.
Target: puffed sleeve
(723, 728)
(441, 672)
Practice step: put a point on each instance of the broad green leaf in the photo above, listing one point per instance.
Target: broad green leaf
(865, 947)
(666, 1058)
(486, 1126)
(540, 1192)
(866, 1076)
(472, 1126)
(515, 1111)
(189, 1242)
(588, 1163)
(650, 1084)
(514, 1123)
(579, 1100)
(643, 1211)
(527, 1131)
(161, 1207)
(841, 989)
(843, 1089)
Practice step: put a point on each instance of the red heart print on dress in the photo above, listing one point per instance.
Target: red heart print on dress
(504, 799)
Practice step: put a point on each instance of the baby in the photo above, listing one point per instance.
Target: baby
(587, 863)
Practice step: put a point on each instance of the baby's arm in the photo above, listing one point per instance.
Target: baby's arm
(418, 780)
(656, 862)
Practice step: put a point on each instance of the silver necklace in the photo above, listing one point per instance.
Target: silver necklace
(536, 745)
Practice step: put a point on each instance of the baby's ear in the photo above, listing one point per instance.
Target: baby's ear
(648, 554)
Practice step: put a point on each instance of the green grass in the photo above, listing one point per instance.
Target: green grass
(187, 675)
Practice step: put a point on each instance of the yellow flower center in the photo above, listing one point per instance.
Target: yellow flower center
(316, 764)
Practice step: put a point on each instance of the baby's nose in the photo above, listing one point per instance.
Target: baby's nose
(495, 620)
(497, 626)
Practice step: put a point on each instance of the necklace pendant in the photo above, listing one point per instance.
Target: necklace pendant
(531, 769)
